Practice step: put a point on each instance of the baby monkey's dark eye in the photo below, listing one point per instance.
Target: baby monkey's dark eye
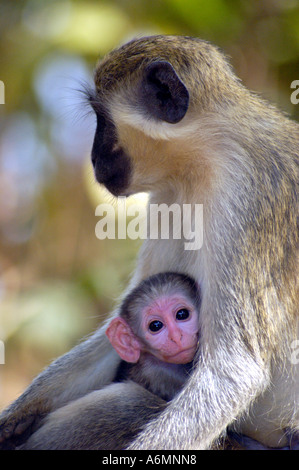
(182, 314)
(155, 325)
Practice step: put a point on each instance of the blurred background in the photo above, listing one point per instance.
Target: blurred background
(57, 280)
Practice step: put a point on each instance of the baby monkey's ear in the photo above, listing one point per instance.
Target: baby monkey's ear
(164, 95)
(123, 340)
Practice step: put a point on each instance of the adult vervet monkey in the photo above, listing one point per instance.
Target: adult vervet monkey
(174, 120)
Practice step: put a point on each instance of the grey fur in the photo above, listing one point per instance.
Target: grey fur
(238, 156)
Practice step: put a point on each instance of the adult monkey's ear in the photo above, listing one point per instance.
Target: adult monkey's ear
(164, 95)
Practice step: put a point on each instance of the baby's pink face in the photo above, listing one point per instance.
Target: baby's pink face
(170, 329)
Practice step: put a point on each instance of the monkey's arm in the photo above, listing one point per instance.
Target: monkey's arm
(216, 398)
(90, 365)
(242, 442)
(106, 419)
(79, 371)
(233, 368)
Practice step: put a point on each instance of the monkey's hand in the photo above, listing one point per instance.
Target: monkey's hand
(236, 442)
(196, 417)
(19, 420)
(151, 439)
(45, 393)
(293, 437)
(241, 442)
(247, 443)
(71, 376)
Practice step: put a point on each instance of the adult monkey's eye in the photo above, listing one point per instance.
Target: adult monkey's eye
(182, 314)
(155, 325)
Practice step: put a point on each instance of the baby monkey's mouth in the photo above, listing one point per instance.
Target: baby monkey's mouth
(183, 356)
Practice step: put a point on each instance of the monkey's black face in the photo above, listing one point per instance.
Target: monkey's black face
(112, 166)
(161, 96)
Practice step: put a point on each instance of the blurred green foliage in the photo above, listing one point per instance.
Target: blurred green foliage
(57, 279)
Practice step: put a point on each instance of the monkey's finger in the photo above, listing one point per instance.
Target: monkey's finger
(15, 427)
(294, 441)
(248, 443)
(23, 425)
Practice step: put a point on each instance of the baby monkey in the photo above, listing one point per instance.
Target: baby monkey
(157, 332)
(156, 335)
